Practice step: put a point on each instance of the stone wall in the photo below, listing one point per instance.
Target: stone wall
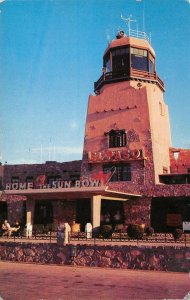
(157, 258)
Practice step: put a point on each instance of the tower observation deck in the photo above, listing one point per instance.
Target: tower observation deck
(129, 57)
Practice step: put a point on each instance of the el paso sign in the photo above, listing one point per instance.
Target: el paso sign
(116, 155)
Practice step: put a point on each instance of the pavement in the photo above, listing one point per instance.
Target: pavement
(20, 281)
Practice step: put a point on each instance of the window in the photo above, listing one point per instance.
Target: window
(120, 59)
(139, 59)
(121, 172)
(50, 179)
(29, 179)
(14, 179)
(161, 108)
(107, 63)
(151, 63)
(117, 138)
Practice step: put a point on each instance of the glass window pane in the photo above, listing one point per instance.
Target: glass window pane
(121, 172)
(139, 62)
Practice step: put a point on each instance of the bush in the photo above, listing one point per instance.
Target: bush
(106, 231)
(177, 233)
(135, 231)
(149, 231)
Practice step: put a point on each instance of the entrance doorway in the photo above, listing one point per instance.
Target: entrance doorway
(43, 212)
(112, 212)
(83, 213)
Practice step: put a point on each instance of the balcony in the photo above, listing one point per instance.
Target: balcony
(131, 74)
(175, 178)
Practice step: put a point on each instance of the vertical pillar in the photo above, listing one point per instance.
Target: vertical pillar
(29, 216)
(95, 210)
(29, 211)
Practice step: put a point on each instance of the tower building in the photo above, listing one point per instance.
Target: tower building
(129, 173)
(127, 125)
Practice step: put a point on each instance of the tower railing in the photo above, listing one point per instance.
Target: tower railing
(139, 35)
(130, 74)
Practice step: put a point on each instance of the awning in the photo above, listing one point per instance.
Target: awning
(71, 193)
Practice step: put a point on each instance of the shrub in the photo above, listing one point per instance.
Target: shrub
(106, 231)
(149, 231)
(177, 233)
(135, 231)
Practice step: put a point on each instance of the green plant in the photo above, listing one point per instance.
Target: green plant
(135, 231)
(106, 231)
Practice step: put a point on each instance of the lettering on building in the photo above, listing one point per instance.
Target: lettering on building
(116, 155)
(58, 184)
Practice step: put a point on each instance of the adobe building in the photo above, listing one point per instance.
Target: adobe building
(128, 169)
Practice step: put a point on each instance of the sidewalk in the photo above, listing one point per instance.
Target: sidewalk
(20, 281)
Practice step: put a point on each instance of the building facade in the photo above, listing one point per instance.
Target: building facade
(129, 172)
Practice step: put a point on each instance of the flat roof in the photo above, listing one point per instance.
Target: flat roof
(72, 193)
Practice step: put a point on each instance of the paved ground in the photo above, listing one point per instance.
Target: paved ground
(20, 281)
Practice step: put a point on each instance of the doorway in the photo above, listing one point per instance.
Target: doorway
(83, 213)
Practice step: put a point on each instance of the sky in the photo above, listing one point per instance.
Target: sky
(50, 55)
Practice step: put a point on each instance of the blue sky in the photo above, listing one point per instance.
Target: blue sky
(51, 54)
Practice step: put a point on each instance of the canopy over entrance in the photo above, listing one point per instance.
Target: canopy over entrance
(72, 193)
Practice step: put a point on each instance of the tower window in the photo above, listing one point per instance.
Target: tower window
(121, 172)
(139, 59)
(117, 138)
(120, 59)
(107, 63)
(151, 63)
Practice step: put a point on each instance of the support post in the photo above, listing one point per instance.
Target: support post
(29, 216)
(96, 210)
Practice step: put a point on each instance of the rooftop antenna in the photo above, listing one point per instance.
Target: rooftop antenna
(128, 22)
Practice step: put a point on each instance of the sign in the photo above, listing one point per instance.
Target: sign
(186, 226)
(116, 155)
(58, 184)
(174, 220)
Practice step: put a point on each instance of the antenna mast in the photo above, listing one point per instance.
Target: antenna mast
(128, 22)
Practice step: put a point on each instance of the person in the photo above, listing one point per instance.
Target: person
(117, 217)
(67, 233)
(88, 230)
(60, 233)
(6, 228)
(16, 229)
(107, 218)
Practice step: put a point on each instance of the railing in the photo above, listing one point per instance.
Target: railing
(127, 75)
(139, 34)
(123, 237)
(174, 178)
(166, 238)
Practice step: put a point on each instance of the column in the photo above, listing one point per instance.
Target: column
(96, 210)
(29, 216)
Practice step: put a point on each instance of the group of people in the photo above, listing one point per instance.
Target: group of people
(115, 218)
(64, 230)
(7, 230)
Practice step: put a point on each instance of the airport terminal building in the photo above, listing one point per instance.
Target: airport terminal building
(128, 168)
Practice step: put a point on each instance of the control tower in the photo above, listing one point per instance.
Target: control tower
(127, 123)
